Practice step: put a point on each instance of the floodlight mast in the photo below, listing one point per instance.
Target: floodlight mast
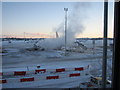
(65, 9)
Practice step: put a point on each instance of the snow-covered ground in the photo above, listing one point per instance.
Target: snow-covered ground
(60, 83)
(18, 56)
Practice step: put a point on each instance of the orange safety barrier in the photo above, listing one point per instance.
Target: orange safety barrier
(37, 71)
(79, 69)
(74, 74)
(20, 73)
(60, 70)
(26, 79)
(3, 81)
(52, 77)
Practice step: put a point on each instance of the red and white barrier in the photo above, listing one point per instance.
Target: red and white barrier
(19, 73)
(7, 73)
(40, 70)
(3, 81)
(74, 74)
(79, 69)
(52, 77)
(41, 77)
(58, 70)
(27, 79)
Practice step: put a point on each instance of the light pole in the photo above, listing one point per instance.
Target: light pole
(65, 9)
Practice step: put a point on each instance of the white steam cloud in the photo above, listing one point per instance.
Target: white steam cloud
(75, 26)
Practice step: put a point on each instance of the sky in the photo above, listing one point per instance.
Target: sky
(40, 19)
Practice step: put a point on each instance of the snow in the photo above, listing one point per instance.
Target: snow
(18, 58)
(56, 83)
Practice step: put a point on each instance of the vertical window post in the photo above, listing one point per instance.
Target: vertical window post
(104, 64)
(116, 49)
